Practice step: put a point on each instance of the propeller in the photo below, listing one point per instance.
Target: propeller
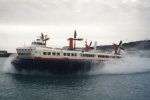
(118, 47)
(120, 43)
(79, 39)
(87, 47)
(46, 38)
(42, 36)
(71, 40)
(90, 44)
(75, 38)
(75, 34)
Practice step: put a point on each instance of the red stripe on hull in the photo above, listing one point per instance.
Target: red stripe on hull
(65, 59)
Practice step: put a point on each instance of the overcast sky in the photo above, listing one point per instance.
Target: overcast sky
(104, 21)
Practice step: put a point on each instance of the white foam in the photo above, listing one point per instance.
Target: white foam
(8, 67)
(128, 65)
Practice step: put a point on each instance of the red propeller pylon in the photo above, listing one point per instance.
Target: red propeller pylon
(71, 40)
(44, 38)
(117, 47)
(87, 47)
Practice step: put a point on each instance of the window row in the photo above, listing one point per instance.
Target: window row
(23, 49)
(58, 54)
(70, 54)
(51, 53)
(37, 43)
(23, 53)
(106, 56)
(87, 55)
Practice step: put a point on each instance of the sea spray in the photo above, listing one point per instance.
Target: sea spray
(8, 67)
(128, 65)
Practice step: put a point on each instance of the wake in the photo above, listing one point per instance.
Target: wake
(128, 65)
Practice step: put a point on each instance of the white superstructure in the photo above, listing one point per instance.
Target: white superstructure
(38, 50)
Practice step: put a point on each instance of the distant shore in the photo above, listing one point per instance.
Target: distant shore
(131, 46)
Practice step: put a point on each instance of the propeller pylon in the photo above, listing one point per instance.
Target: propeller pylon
(71, 40)
(117, 47)
(44, 38)
(87, 47)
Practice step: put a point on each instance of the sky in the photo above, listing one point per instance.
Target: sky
(104, 21)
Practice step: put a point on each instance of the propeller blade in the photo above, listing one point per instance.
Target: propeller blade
(79, 39)
(75, 34)
(90, 43)
(86, 42)
(42, 36)
(46, 39)
(120, 43)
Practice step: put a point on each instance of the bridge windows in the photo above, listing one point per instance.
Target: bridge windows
(23, 53)
(37, 43)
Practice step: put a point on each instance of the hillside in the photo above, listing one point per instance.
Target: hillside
(136, 45)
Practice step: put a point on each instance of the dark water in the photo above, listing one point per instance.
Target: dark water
(127, 86)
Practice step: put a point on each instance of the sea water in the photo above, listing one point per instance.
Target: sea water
(126, 79)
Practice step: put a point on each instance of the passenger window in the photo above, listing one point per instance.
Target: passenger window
(54, 53)
(72, 54)
(75, 54)
(49, 53)
(64, 54)
(58, 54)
(68, 54)
(44, 53)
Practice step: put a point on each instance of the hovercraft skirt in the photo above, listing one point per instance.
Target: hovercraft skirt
(54, 66)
